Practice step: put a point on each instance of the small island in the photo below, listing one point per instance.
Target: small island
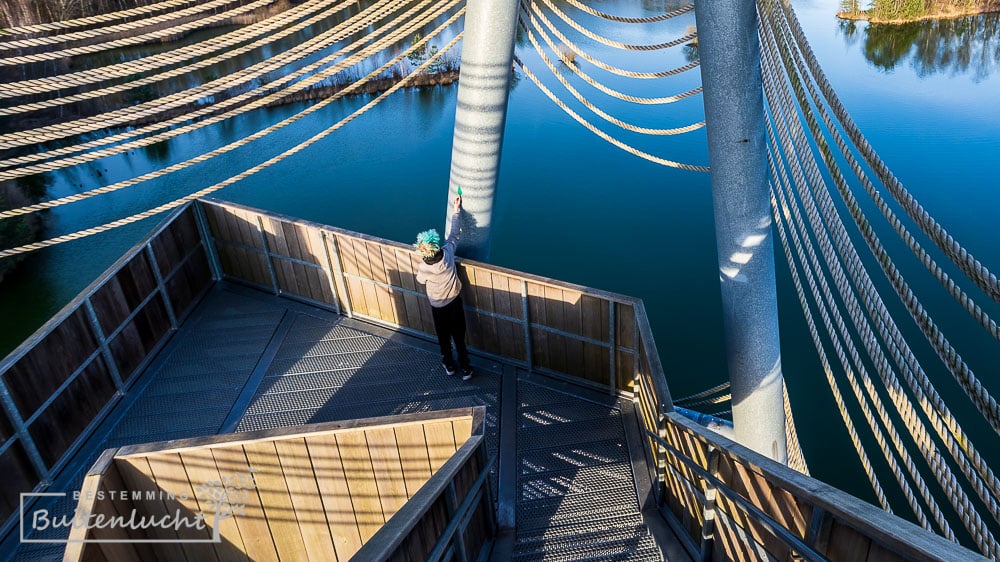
(906, 11)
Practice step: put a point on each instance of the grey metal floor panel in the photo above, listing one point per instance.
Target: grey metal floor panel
(576, 496)
(575, 493)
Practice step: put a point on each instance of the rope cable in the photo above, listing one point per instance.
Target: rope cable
(576, 94)
(814, 271)
(961, 257)
(603, 65)
(611, 43)
(135, 39)
(975, 525)
(117, 28)
(271, 161)
(179, 56)
(128, 114)
(602, 134)
(378, 46)
(588, 79)
(621, 19)
(95, 19)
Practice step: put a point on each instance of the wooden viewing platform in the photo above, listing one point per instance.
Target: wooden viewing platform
(228, 319)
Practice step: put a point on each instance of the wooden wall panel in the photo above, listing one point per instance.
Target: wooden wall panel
(846, 543)
(62, 421)
(244, 264)
(188, 282)
(176, 241)
(324, 454)
(275, 499)
(53, 359)
(114, 301)
(18, 476)
(139, 336)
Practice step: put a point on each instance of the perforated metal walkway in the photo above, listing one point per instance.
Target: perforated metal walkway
(245, 360)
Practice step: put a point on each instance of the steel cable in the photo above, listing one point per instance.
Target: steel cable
(621, 19)
(973, 388)
(605, 66)
(610, 42)
(95, 19)
(960, 447)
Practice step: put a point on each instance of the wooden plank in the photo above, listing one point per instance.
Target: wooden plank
(275, 500)
(482, 287)
(389, 260)
(388, 469)
(368, 289)
(537, 313)
(756, 531)
(625, 325)
(413, 456)
(168, 474)
(732, 544)
(252, 523)
(407, 280)
(304, 491)
(879, 553)
(112, 480)
(349, 260)
(462, 429)
(385, 301)
(207, 481)
(441, 446)
(554, 318)
(324, 453)
(847, 544)
(136, 475)
(361, 482)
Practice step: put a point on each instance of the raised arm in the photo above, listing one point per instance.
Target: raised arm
(454, 233)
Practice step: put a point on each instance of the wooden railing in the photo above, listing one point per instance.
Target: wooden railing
(724, 501)
(735, 504)
(542, 324)
(406, 487)
(61, 382)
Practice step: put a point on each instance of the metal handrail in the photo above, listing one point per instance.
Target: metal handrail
(759, 516)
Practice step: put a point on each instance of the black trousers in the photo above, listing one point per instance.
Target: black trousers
(449, 323)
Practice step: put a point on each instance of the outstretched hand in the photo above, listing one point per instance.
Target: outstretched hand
(457, 203)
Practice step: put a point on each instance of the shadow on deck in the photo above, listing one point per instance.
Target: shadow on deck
(245, 360)
(231, 319)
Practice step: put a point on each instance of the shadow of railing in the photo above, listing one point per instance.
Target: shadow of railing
(591, 338)
(57, 386)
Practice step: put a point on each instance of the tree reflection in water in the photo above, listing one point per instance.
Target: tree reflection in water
(967, 45)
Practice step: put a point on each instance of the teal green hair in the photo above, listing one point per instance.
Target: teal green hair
(428, 242)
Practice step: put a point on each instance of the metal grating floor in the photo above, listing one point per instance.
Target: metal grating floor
(576, 494)
(246, 360)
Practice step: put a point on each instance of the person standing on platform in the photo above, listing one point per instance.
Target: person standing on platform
(440, 276)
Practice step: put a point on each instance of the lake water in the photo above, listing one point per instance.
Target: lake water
(573, 207)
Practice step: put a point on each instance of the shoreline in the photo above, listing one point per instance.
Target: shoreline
(948, 15)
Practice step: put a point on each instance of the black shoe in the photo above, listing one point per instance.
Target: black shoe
(449, 370)
(466, 373)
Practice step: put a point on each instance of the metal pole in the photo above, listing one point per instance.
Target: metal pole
(487, 55)
(729, 49)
